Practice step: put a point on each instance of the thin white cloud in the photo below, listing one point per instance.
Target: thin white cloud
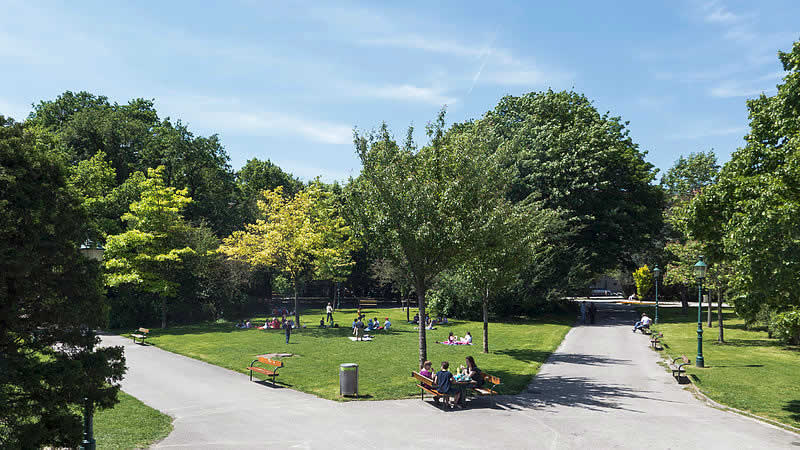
(708, 131)
(404, 92)
(230, 115)
(443, 46)
(715, 12)
(730, 89)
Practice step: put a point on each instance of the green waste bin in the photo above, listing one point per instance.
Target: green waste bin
(348, 379)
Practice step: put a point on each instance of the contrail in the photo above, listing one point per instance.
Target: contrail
(486, 56)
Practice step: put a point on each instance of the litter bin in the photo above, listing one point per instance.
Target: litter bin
(348, 379)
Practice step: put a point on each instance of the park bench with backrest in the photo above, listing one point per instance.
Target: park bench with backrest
(140, 334)
(487, 380)
(271, 371)
(426, 384)
(677, 369)
(655, 341)
(371, 303)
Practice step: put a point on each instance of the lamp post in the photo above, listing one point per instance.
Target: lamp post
(656, 273)
(93, 251)
(700, 272)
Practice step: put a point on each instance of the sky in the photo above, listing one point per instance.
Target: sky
(288, 81)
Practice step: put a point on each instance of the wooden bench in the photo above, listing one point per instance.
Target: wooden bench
(367, 303)
(272, 371)
(141, 334)
(677, 369)
(426, 384)
(487, 380)
(655, 341)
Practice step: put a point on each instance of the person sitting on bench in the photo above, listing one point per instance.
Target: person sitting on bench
(444, 382)
(644, 323)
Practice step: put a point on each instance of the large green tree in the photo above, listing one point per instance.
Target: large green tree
(147, 254)
(427, 203)
(751, 216)
(571, 158)
(50, 300)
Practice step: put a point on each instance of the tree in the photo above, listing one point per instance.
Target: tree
(751, 216)
(499, 248)
(51, 299)
(153, 246)
(295, 235)
(568, 156)
(426, 203)
(643, 278)
(257, 176)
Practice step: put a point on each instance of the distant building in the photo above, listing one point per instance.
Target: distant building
(606, 283)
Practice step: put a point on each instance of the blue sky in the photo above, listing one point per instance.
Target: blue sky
(288, 81)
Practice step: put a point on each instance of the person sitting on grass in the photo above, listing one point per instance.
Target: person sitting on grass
(430, 324)
(387, 325)
(642, 324)
(322, 322)
(452, 339)
(240, 324)
(416, 319)
(444, 381)
(276, 324)
(467, 339)
(369, 325)
(248, 324)
(355, 321)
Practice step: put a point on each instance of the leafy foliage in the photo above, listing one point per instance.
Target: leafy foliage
(428, 204)
(751, 216)
(51, 297)
(151, 249)
(786, 326)
(294, 235)
(643, 278)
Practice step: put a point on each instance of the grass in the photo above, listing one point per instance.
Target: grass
(517, 350)
(130, 424)
(749, 372)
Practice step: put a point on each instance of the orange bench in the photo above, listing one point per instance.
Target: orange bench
(426, 384)
(488, 379)
(141, 334)
(272, 371)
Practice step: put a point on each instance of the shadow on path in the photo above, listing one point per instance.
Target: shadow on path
(577, 392)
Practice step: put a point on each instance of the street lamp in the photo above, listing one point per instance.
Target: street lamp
(91, 250)
(700, 272)
(656, 273)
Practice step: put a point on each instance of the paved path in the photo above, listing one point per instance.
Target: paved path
(601, 389)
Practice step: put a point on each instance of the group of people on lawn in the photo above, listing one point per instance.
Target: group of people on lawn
(453, 385)
(452, 339)
(429, 321)
(372, 325)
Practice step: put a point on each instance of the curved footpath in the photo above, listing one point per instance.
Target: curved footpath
(602, 388)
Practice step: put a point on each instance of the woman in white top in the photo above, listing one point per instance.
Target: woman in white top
(467, 339)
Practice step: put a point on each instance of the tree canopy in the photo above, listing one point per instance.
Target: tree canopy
(51, 297)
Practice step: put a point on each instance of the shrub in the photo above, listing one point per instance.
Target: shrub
(786, 326)
(643, 278)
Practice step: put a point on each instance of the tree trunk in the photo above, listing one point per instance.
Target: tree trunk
(163, 312)
(296, 311)
(721, 338)
(710, 323)
(486, 321)
(423, 345)
(684, 300)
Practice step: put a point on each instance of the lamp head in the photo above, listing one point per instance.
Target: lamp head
(700, 269)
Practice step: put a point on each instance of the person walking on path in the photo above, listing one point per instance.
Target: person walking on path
(287, 327)
(583, 312)
(329, 310)
(592, 313)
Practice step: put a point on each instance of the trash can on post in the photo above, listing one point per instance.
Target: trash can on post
(348, 379)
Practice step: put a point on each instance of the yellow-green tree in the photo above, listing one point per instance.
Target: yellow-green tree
(154, 245)
(294, 235)
(643, 278)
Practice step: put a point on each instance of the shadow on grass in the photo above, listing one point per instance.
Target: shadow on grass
(577, 392)
(793, 407)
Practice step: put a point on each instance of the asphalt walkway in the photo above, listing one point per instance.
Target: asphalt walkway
(601, 389)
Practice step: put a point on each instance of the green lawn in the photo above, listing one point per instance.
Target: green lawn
(517, 350)
(749, 372)
(130, 424)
